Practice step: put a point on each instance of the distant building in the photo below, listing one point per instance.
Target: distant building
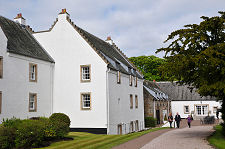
(156, 103)
(187, 103)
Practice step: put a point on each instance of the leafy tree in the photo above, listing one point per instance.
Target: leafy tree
(149, 66)
(196, 56)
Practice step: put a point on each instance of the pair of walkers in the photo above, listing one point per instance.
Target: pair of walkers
(178, 119)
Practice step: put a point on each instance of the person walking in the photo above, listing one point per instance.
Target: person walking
(189, 121)
(178, 119)
(170, 119)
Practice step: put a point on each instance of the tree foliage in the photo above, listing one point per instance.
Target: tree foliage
(196, 56)
(149, 66)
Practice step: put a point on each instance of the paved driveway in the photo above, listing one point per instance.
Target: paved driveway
(183, 138)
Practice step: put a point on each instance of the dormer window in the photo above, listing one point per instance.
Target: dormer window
(85, 71)
(118, 77)
(130, 80)
(33, 72)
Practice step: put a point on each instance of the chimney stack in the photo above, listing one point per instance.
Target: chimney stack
(20, 19)
(109, 40)
(63, 15)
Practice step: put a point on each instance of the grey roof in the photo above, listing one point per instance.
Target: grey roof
(111, 53)
(181, 93)
(21, 41)
(153, 89)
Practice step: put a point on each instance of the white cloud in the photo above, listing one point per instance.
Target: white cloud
(137, 27)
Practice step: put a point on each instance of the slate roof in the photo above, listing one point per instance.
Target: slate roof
(115, 58)
(21, 41)
(153, 89)
(182, 93)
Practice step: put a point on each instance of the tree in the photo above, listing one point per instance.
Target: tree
(149, 66)
(196, 57)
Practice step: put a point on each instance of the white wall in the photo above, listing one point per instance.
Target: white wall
(15, 85)
(178, 106)
(70, 50)
(119, 103)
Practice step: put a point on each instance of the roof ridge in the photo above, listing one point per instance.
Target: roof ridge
(82, 35)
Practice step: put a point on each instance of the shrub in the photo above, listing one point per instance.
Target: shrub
(30, 133)
(12, 123)
(150, 122)
(7, 137)
(60, 117)
(59, 123)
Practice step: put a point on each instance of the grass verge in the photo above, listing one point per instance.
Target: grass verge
(217, 139)
(84, 140)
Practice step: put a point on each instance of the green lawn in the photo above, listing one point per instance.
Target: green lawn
(84, 140)
(217, 139)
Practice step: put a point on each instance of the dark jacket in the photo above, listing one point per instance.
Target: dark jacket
(170, 118)
(177, 118)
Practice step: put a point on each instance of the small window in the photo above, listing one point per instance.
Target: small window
(214, 109)
(33, 102)
(1, 67)
(131, 126)
(131, 101)
(130, 80)
(85, 101)
(186, 109)
(135, 80)
(33, 72)
(118, 77)
(136, 125)
(0, 102)
(136, 101)
(85, 73)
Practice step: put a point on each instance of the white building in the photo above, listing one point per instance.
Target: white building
(187, 103)
(26, 73)
(94, 83)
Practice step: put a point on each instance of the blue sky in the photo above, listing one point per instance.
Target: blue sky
(138, 27)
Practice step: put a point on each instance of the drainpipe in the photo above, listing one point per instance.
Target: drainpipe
(154, 108)
(107, 96)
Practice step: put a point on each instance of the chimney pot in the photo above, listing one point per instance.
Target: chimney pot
(108, 38)
(20, 19)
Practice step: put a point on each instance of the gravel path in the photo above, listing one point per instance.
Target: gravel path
(184, 138)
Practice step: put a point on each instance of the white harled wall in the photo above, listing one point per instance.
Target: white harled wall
(178, 106)
(119, 103)
(15, 85)
(70, 50)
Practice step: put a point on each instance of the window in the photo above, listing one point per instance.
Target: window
(135, 81)
(136, 125)
(136, 101)
(119, 129)
(85, 71)
(33, 102)
(1, 67)
(130, 80)
(33, 72)
(201, 109)
(186, 110)
(85, 101)
(0, 102)
(131, 101)
(214, 109)
(118, 77)
(131, 126)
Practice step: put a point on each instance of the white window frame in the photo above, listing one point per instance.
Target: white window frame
(85, 100)
(33, 101)
(135, 81)
(136, 101)
(33, 72)
(85, 75)
(131, 101)
(202, 111)
(214, 109)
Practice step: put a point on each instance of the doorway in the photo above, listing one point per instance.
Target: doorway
(158, 116)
